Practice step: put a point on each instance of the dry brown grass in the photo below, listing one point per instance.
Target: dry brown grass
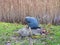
(47, 11)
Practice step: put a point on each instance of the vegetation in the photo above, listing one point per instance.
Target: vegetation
(15, 11)
(7, 29)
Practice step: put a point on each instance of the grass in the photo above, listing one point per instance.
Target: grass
(7, 29)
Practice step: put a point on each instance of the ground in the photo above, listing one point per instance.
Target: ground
(7, 29)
